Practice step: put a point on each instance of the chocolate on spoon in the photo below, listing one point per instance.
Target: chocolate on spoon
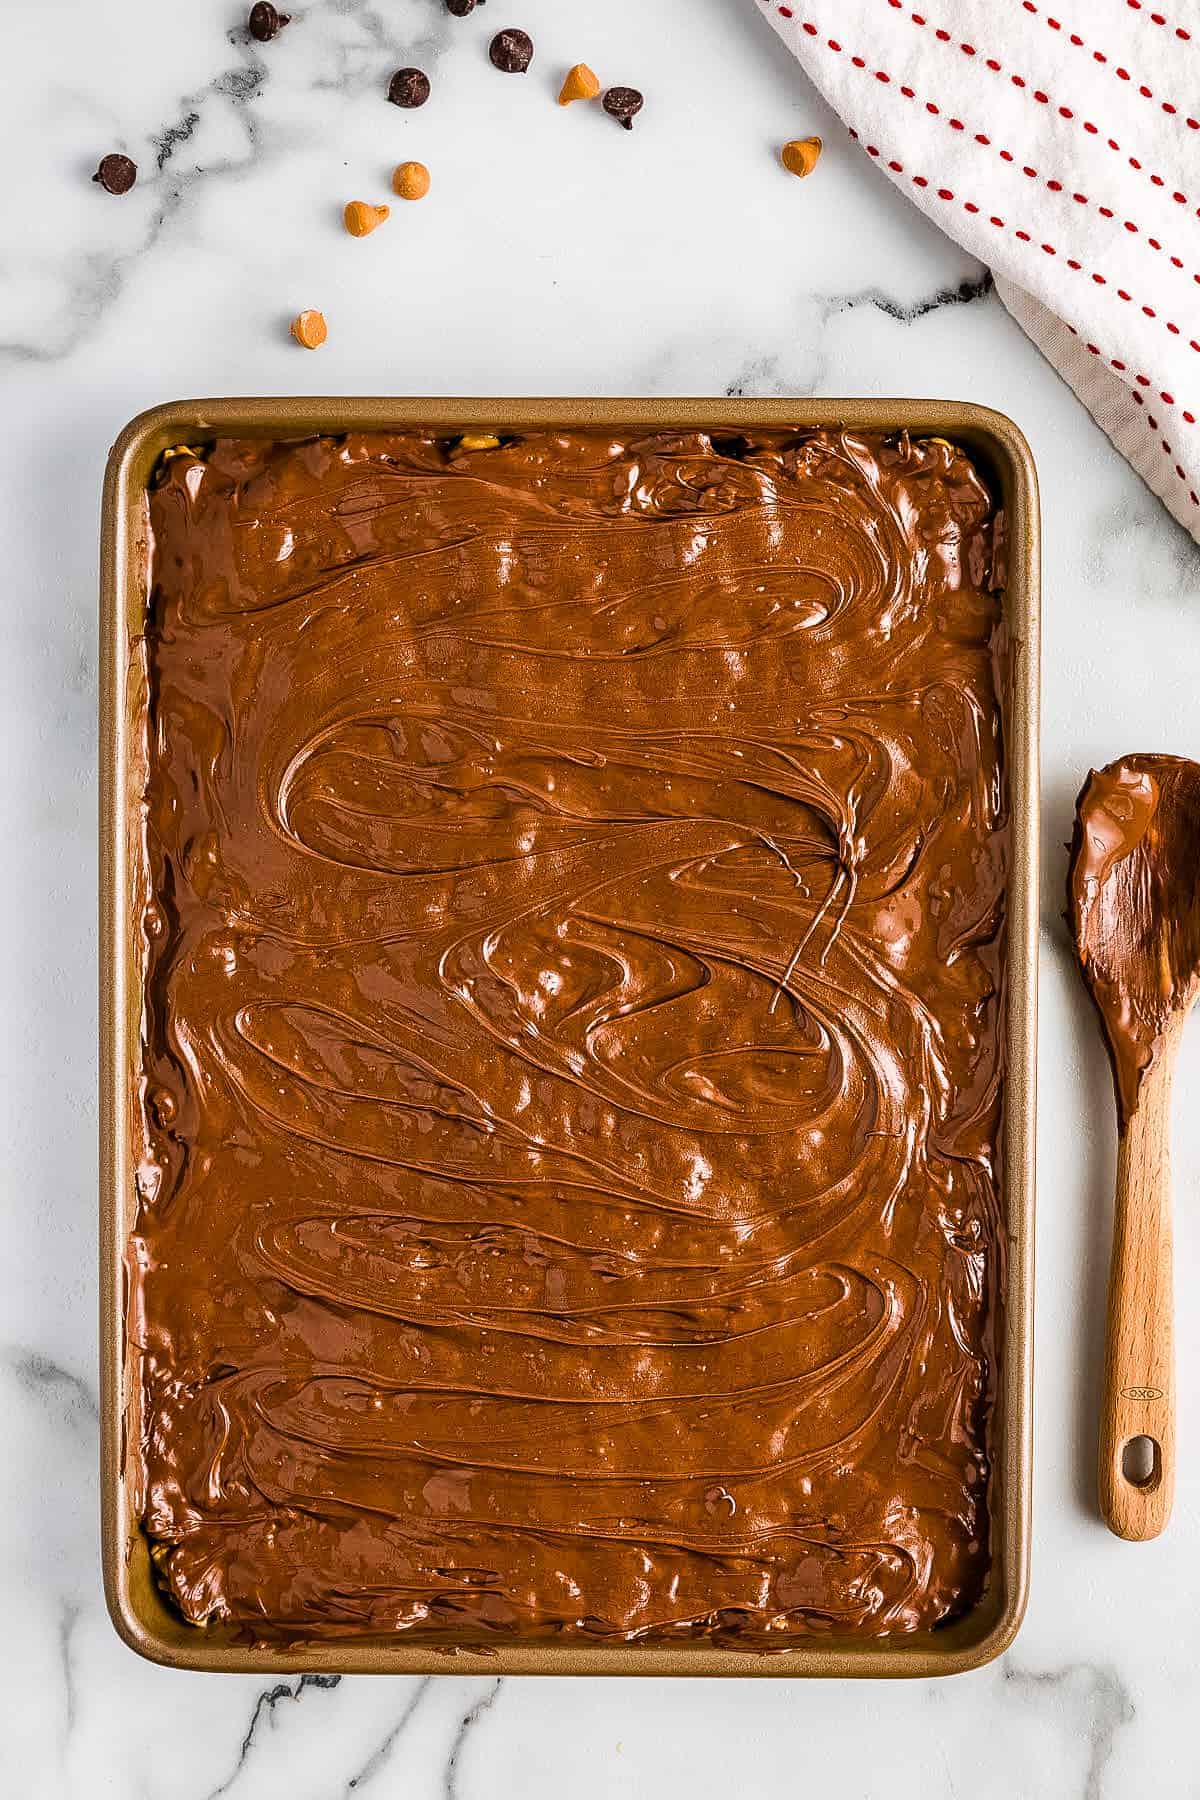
(1134, 909)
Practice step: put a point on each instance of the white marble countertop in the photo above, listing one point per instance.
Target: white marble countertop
(556, 254)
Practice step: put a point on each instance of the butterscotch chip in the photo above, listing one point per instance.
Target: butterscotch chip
(411, 181)
(478, 440)
(309, 328)
(581, 83)
(800, 156)
(361, 217)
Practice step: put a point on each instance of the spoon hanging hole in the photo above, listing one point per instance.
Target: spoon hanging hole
(1141, 1462)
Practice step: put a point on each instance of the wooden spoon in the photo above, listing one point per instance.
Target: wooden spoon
(1134, 905)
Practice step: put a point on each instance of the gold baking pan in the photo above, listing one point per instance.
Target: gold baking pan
(138, 1611)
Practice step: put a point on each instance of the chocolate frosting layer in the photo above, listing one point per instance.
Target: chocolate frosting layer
(1131, 897)
(573, 1037)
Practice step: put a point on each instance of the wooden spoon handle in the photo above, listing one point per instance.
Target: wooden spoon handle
(1138, 1399)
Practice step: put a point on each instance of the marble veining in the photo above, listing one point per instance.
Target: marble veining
(778, 374)
(264, 1714)
(470, 1720)
(1094, 1693)
(93, 280)
(907, 313)
(378, 1757)
(555, 254)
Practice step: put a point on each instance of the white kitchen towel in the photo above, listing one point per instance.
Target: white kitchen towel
(1060, 144)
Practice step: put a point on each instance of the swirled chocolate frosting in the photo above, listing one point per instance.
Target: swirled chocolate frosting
(572, 1046)
(1131, 904)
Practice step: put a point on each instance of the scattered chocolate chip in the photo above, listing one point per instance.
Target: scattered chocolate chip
(511, 51)
(266, 21)
(623, 104)
(460, 8)
(408, 87)
(116, 173)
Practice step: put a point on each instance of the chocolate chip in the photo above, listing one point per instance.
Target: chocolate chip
(408, 87)
(623, 104)
(460, 8)
(266, 21)
(116, 173)
(511, 51)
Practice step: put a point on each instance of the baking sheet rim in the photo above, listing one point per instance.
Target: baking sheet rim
(138, 1612)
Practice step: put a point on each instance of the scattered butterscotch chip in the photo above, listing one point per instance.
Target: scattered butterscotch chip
(309, 328)
(411, 181)
(581, 83)
(623, 104)
(478, 440)
(116, 174)
(266, 21)
(409, 88)
(800, 156)
(361, 217)
(511, 51)
(179, 450)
